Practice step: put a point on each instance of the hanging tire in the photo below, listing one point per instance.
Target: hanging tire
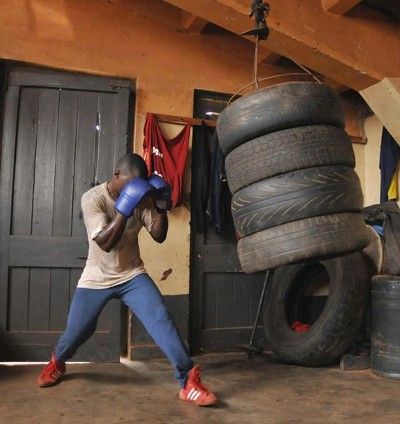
(296, 195)
(335, 320)
(282, 106)
(298, 241)
(286, 151)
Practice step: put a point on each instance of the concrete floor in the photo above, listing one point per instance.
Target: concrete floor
(251, 391)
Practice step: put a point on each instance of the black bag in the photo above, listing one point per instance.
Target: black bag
(388, 216)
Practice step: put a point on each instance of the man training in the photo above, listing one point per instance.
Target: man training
(114, 212)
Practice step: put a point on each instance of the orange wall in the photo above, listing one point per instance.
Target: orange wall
(137, 39)
(140, 40)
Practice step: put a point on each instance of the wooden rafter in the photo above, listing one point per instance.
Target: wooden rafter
(354, 61)
(340, 88)
(339, 7)
(267, 56)
(192, 23)
(181, 120)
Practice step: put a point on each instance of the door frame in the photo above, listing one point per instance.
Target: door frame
(13, 76)
(196, 275)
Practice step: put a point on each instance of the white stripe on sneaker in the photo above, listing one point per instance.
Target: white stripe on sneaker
(194, 394)
(190, 393)
(197, 396)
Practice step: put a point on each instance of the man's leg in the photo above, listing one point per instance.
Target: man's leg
(83, 314)
(142, 296)
(84, 311)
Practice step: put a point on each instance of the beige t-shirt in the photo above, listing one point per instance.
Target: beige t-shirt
(123, 262)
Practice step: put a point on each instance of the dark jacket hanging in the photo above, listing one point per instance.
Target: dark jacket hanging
(219, 195)
(200, 184)
(387, 215)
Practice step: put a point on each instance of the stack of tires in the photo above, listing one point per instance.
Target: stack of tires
(290, 168)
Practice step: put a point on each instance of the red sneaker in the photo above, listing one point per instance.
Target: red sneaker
(51, 373)
(195, 392)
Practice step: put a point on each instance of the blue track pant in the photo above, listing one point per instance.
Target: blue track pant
(143, 298)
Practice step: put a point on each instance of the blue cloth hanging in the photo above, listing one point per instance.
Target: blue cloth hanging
(389, 159)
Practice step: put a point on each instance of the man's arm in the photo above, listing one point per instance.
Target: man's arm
(162, 202)
(110, 235)
(159, 228)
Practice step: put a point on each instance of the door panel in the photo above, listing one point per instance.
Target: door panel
(223, 300)
(65, 163)
(57, 144)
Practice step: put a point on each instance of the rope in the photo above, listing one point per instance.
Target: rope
(256, 80)
(307, 70)
(265, 79)
(255, 67)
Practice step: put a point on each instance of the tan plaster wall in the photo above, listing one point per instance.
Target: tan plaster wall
(359, 150)
(139, 40)
(373, 132)
(168, 263)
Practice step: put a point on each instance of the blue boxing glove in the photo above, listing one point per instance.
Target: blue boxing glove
(161, 192)
(131, 195)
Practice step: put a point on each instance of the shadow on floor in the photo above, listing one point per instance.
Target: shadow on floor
(107, 378)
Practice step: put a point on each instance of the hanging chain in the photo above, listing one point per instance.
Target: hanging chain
(260, 10)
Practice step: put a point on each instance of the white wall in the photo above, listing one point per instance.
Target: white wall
(372, 175)
(360, 163)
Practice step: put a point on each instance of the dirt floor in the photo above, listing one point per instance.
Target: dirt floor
(251, 391)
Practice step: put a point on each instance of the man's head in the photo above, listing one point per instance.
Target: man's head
(130, 166)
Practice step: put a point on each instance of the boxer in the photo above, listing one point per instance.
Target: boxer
(114, 212)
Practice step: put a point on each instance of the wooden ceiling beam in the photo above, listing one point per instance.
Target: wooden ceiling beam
(347, 50)
(339, 7)
(192, 23)
(339, 88)
(354, 107)
(268, 57)
(384, 99)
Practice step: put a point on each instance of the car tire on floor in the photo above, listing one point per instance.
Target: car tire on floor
(339, 321)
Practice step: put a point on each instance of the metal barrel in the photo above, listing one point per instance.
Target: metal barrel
(385, 326)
